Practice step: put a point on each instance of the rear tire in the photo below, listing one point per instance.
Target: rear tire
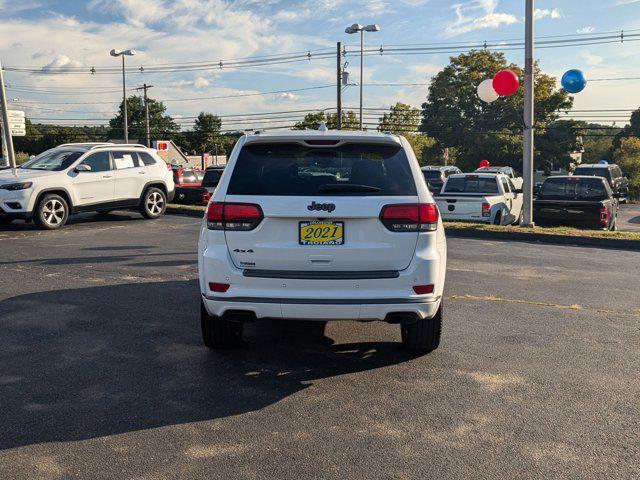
(218, 333)
(498, 219)
(154, 203)
(423, 335)
(51, 212)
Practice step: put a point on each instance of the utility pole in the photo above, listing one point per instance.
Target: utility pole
(6, 127)
(145, 87)
(339, 84)
(124, 103)
(529, 110)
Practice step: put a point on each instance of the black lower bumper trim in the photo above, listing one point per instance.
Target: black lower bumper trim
(320, 275)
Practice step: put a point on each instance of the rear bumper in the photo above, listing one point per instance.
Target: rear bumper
(323, 309)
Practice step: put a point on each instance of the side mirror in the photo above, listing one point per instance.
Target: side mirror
(83, 168)
(518, 191)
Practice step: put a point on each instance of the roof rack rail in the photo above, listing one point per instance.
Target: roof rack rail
(85, 143)
(109, 145)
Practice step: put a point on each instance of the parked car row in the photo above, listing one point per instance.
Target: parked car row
(587, 199)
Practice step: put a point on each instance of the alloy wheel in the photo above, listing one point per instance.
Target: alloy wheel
(155, 203)
(53, 212)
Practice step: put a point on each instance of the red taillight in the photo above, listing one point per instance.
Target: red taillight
(218, 287)
(423, 289)
(206, 196)
(410, 217)
(604, 217)
(233, 216)
(486, 209)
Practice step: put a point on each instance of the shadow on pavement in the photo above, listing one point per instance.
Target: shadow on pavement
(79, 364)
(97, 218)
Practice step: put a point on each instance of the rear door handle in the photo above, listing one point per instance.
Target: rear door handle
(142, 173)
(107, 176)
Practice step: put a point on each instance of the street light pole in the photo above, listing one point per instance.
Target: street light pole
(529, 110)
(356, 27)
(122, 53)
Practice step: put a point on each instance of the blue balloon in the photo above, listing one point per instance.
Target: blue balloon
(574, 81)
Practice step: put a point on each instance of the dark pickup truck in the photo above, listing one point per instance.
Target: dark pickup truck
(577, 201)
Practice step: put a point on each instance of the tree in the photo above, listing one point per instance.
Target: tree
(160, 124)
(401, 119)
(631, 130)
(627, 157)
(598, 142)
(206, 133)
(559, 140)
(455, 117)
(312, 121)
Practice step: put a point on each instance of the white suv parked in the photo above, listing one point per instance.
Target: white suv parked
(322, 225)
(84, 177)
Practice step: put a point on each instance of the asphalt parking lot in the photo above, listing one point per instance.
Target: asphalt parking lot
(629, 217)
(103, 374)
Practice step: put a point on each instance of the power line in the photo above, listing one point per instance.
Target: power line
(275, 59)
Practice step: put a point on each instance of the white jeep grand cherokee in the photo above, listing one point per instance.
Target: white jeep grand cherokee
(322, 225)
(80, 177)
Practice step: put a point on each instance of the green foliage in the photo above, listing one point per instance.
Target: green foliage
(598, 143)
(41, 137)
(161, 125)
(559, 140)
(627, 157)
(206, 133)
(21, 157)
(312, 121)
(631, 130)
(455, 117)
(401, 119)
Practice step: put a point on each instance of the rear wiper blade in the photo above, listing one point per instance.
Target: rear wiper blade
(346, 188)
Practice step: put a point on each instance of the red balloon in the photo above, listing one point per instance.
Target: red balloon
(484, 164)
(506, 83)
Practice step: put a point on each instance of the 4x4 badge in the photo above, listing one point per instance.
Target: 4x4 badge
(326, 207)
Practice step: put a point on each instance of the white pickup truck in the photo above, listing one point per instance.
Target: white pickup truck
(480, 197)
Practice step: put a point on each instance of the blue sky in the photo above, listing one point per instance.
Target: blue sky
(59, 34)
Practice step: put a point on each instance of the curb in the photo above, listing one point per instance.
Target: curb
(544, 238)
(177, 210)
(491, 235)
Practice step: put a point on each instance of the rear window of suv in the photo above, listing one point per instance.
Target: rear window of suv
(593, 172)
(289, 169)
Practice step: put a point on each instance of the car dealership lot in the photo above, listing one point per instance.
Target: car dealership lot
(104, 375)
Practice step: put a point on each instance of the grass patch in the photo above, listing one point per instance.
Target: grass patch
(197, 208)
(564, 231)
